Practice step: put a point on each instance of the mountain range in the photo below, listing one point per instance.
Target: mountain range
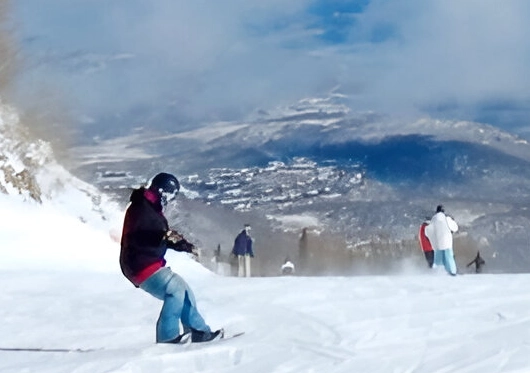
(357, 175)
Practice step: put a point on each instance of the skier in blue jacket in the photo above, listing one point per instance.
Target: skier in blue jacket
(243, 251)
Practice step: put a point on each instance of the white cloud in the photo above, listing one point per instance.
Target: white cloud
(219, 60)
(467, 51)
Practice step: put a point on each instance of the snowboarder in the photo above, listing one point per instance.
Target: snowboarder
(242, 250)
(425, 244)
(440, 233)
(145, 238)
(479, 262)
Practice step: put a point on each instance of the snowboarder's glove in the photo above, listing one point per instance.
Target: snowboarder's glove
(186, 247)
(181, 245)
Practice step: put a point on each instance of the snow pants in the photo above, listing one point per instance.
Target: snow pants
(179, 305)
(243, 269)
(447, 259)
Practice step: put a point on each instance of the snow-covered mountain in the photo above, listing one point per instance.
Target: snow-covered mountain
(362, 176)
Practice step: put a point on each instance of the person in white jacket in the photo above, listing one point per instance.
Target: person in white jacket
(440, 233)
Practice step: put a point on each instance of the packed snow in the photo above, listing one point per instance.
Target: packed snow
(62, 289)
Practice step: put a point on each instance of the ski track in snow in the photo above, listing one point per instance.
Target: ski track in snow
(413, 324)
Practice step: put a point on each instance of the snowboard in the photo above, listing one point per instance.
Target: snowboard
(186, 339)
(225, 337)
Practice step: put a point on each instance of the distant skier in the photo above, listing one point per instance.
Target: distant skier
(242, 250)
(217, 255)
(479, 263)
(440, 233)
(145, 238)
(303, 252)
(425, 244)
(287, 267)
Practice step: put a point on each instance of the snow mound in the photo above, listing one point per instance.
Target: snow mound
(64, 210)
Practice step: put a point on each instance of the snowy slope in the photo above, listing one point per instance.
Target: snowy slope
(414, 322)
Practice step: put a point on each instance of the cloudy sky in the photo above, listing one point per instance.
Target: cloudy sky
(220, 60)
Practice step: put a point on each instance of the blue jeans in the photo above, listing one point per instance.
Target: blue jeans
(447, 259)
(179, 304)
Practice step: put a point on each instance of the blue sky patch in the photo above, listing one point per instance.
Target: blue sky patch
(336, 18)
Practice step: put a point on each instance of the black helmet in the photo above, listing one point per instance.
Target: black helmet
(166, 185)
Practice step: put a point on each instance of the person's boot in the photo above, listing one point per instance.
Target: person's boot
(198, 336)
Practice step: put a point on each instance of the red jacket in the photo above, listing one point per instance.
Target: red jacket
(144, 238)
(143, 243)
(425, 244)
